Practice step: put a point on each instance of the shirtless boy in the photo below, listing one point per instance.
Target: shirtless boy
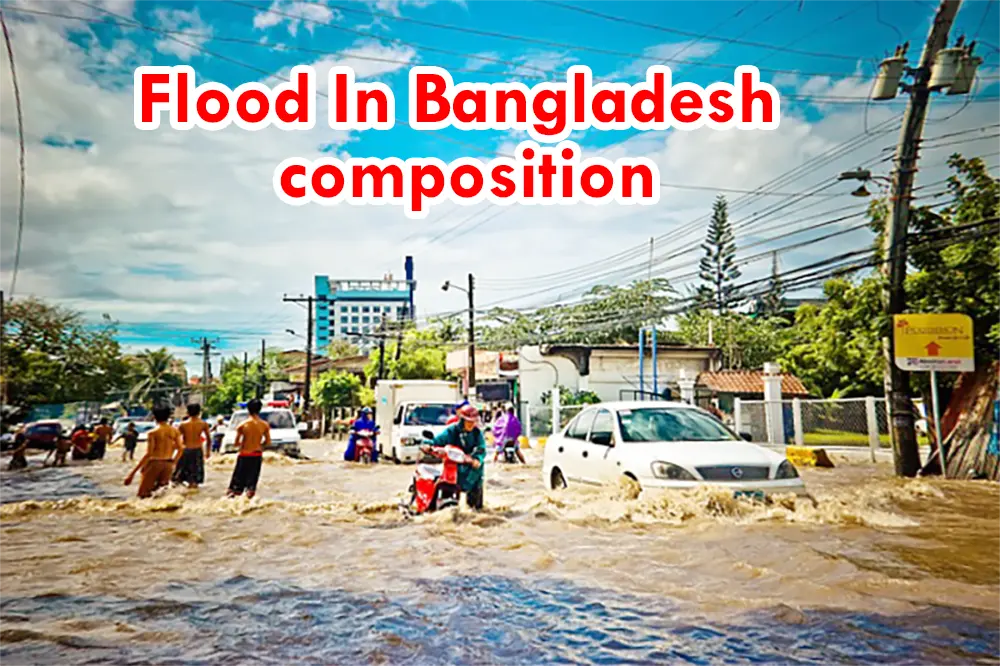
(251, 437)
(191, 466)
(163, 447)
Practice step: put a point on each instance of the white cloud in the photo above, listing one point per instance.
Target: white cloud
(197, 32)
(665, 54)
(294, 13)
(394, 6)
(485, 60)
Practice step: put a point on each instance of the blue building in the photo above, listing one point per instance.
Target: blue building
(344, 307)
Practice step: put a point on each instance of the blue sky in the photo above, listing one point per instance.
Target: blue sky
(177, 235)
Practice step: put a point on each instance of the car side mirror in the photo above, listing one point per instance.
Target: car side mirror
(302, 427)
(746, 436)
(427, 434)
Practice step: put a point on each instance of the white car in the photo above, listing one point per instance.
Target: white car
(144, 428)
(662, 445)
(284, 432)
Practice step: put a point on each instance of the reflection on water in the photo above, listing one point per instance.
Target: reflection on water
(493, 620)
(321, 567)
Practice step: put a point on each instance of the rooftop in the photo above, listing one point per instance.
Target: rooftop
(749, 381)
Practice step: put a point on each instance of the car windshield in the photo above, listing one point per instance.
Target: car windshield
(671, 425)
(46, 429)
(278, 420)
(429, 414)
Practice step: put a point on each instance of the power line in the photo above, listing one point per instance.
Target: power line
(728, 40)
(21, 154)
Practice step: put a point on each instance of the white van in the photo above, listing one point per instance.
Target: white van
(284, 431)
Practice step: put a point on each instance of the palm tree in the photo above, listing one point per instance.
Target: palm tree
(152, 375)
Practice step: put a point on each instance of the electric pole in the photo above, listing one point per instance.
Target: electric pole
(243, 386)
(472, 337)
(904, 440)
(206, 346)
(262, 372)
(381, 350)
(309, 300)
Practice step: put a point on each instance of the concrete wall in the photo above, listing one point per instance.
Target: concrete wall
(611, 371)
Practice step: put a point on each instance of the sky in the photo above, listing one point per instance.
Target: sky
(176, 235)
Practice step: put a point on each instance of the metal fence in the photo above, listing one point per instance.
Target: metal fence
(824, 422)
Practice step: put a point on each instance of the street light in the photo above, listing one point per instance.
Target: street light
(472, 329)
(864, 175)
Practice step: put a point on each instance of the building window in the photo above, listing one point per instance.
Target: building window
(343, 320)
(365, 309)
(366, 319)
(354, 329)
(376, 319)
(354, 320)
(343, 308)
(354, 308)
(366, 329)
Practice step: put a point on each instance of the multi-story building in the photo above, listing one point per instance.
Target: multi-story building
(350, 309)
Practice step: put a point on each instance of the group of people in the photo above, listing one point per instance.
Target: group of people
(178, 454)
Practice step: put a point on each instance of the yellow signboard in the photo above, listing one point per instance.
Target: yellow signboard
(941, 342)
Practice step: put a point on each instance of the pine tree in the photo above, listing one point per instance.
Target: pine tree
(773, 302)
(717, 270)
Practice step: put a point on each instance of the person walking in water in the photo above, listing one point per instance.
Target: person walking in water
(218, 434)
(130, 438)
(191, 466)
(18, 459)
(164, 446)
(251, 437)
(102, 437)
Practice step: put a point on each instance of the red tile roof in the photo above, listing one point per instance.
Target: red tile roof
(749, 381)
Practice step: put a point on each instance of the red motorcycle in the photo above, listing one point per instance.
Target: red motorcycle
(363, 446)
(435, 488)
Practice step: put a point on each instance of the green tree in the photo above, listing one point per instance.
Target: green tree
(50, 355)
(339, 348)
(605, 315)
(745, 343)
(152, 376)
(422, 356)
(230, 389)
(336, 389)
(836, 348)
(717, 269)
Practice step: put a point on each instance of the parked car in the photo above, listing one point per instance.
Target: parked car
(144, 428)
(43, 434)
(284, 431)
(662, 445)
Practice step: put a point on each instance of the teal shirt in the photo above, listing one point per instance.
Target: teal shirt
(473, 443)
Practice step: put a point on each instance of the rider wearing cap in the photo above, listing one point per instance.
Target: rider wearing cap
(363, 422)
(467, 435)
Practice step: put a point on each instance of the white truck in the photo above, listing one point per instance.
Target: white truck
(405, 408)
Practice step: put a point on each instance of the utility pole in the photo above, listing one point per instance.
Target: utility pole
(206, 351)
(261, 371)
(897, 382)
(309, 300)
(3, 375)
(472, 337)
(381, 350)
(243, 386)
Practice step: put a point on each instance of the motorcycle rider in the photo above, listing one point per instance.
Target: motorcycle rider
(363, 422)
(467, 435)
(507, 429)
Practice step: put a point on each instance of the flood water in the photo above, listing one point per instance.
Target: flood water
(322, 568)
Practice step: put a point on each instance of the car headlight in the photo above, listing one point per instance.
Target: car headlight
(786, 470)
(665, 470)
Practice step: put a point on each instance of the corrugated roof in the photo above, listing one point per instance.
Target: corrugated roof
(749, 381)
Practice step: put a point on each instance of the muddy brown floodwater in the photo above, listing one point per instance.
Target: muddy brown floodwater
(322, 568)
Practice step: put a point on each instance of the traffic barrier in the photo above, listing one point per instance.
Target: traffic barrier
(802, 456)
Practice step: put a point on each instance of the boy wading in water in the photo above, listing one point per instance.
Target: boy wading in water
(251, 437)
(191, 466)
(130, 438)
(163, 447)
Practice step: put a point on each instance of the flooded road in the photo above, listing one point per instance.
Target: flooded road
(322, 568)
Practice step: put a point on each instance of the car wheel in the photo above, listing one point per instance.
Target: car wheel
(557, 481)
(630, 486)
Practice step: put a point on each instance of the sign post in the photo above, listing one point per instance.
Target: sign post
(933, 342)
